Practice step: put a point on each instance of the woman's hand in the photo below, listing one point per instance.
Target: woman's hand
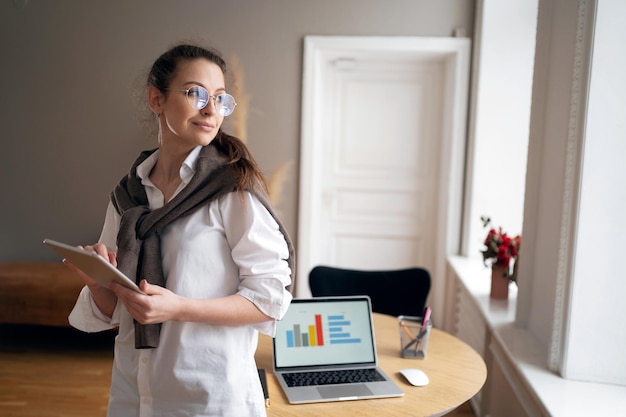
(100, 249)
(157, 305)
(104, 298)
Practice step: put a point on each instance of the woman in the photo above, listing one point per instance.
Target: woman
(191, 224)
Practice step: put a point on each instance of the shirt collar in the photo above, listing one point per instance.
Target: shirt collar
(187, 169)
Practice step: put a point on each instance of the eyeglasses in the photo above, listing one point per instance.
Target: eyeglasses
(198, 98)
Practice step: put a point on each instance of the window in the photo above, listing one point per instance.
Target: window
(573, 223)
(503, 67)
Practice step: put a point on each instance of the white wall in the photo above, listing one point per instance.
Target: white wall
(599, 288)
(571, 294)
(549, 172)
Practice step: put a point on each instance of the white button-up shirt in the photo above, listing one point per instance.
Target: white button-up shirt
(231, 246)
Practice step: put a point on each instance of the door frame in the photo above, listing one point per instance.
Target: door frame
(454, 55)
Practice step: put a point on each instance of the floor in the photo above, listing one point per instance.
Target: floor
(54, 372)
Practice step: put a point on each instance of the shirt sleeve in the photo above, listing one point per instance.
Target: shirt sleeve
(111, 227)
(260, 252)
(85, 315)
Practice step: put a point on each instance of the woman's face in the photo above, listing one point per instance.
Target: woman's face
(180, 123)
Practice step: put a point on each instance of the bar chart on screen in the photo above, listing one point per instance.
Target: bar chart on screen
(335, 329)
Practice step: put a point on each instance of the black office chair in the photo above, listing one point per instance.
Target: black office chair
(393, 292)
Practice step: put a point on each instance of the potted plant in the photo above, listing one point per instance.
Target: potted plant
(500, 253)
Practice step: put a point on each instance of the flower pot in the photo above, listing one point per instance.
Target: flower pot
(499, 283)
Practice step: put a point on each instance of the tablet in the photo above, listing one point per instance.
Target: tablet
(92, 264)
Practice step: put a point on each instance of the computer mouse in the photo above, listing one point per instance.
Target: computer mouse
(415, 377)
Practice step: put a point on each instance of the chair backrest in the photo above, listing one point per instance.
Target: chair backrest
(393, 292)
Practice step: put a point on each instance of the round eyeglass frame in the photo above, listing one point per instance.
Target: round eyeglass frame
(217, 99)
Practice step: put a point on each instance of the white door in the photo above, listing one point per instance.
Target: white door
(376, 150)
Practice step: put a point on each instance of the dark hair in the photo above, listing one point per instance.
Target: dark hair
(162, 72)
(164, 68)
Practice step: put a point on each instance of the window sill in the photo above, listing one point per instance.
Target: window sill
(552, 394)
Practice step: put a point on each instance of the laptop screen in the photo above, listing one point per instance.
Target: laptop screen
(325, 331)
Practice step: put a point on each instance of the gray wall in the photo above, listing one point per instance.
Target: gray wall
(68, 122)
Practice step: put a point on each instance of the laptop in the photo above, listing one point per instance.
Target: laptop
(324, 350)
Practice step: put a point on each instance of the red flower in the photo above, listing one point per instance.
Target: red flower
(501, 249)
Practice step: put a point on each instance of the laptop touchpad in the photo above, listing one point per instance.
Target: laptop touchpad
(354, 390)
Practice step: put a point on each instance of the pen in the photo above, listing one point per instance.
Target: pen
(415, 340)
(406, 330)
(423, 329)
(427, 312)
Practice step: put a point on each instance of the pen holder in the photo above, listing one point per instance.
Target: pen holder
(413, 336)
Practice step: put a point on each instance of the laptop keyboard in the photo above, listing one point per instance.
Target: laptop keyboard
(345, 376)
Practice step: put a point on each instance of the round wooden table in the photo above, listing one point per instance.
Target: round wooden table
(456, 373)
